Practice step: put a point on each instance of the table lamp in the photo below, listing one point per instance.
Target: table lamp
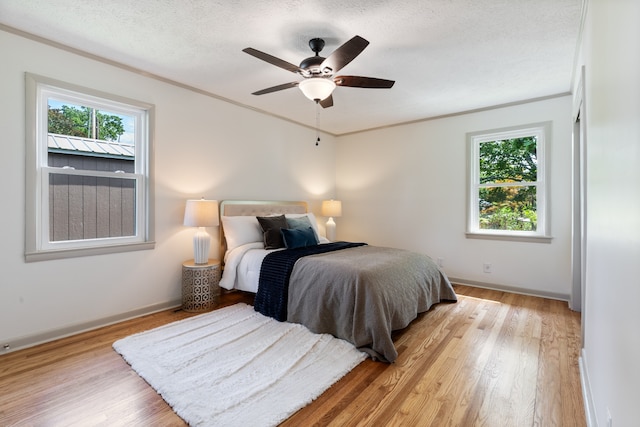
(201, 213)
(331, 208)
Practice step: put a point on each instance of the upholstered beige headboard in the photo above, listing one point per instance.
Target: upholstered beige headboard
(257, 208)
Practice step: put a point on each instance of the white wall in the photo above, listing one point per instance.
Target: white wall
(611, 46)
(406, 186)
(203, 147)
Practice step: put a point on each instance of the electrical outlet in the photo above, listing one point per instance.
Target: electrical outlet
(487, 267)
(440, 261)
(6, 347)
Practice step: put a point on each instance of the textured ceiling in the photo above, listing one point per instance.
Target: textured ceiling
(446, 56)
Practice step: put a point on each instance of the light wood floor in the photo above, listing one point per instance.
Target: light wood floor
(492, 359)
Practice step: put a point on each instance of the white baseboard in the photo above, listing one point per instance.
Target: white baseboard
(512, 289)
(54, 334)
(587, 397)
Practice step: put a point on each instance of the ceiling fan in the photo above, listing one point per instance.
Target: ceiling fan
(319, 73)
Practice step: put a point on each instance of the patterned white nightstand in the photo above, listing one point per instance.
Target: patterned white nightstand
(200, 285)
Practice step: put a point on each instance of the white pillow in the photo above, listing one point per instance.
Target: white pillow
(240, 230)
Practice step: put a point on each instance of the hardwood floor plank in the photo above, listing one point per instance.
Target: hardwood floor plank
(492, 359)
(484, 367)
(549, 371)
(392, 385)
(464, 395)
(573, 405)
(432, 394)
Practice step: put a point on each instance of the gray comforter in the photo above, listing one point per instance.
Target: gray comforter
(362, 294)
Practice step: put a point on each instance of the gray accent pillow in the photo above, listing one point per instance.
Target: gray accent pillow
(301, 223)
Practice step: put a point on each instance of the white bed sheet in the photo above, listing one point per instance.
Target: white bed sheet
(242, 266)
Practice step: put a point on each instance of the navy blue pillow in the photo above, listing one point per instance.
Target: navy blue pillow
(298, 238)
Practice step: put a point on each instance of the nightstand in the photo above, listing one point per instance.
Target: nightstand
(200, 285)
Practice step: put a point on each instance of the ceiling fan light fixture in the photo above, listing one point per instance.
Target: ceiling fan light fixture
(317, 88)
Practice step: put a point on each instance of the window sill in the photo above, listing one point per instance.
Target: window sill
(509, 237)
(73, 253)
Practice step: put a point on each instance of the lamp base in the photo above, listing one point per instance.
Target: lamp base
(201, 245)
(331, 229)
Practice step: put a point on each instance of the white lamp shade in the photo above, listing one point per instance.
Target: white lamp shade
(332, 208)
(201, 213)
(317, 88)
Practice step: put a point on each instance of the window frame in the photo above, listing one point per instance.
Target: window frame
(543, 133)
(38, 246)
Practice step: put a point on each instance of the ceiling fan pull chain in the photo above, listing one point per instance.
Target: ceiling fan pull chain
(317, 123)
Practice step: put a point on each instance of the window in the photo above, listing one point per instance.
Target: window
(507, 183)
(88, 171)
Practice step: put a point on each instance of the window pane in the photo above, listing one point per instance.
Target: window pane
(510, 208)
(90, 207)
(509, 160)
(88, 138)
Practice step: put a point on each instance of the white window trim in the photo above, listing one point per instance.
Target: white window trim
(543, 229)
(37, 245)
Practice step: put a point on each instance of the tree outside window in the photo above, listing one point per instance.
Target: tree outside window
(86, 122)
(507, 185)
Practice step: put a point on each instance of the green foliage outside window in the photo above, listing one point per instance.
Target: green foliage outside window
(503, 206)
(77, 121)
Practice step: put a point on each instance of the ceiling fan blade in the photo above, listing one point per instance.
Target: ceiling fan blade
(344, 54)
(272, 60)
(365, 82)
(327, 102)
(276, 88)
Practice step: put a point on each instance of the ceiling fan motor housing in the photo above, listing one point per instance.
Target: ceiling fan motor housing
(312, 66)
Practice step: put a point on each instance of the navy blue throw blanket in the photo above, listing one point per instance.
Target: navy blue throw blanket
(273, 284)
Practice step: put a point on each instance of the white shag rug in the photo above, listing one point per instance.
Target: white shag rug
(236, 367)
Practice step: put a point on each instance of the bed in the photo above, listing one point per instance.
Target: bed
(352, 290)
